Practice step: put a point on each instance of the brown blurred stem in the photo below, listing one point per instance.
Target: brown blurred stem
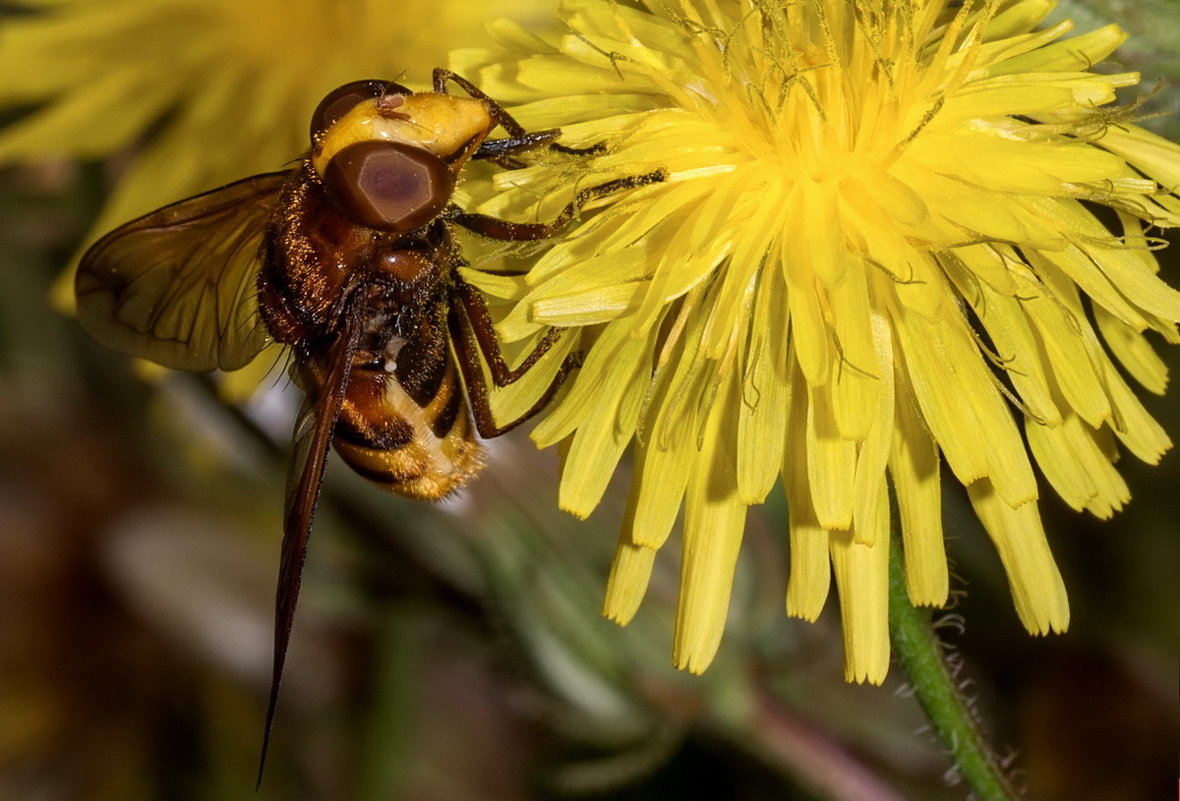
(810, 755)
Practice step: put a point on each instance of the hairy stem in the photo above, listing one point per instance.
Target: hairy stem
(918, 649)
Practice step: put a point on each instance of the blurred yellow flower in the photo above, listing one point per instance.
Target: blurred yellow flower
(877, 242)
(212, 90)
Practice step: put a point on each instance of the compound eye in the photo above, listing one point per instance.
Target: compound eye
(341, 100)
(389, 186)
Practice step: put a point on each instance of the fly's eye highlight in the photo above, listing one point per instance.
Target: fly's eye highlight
(341, 100)
(389, 186)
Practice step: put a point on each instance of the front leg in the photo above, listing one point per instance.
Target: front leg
(504, 151)
(496, 228)
(519, 140)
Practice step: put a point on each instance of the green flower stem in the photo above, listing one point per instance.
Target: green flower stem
(918, 649)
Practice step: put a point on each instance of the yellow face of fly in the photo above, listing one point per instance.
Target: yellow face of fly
(451, 128)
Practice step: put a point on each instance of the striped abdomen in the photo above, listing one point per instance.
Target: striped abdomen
(425, 451)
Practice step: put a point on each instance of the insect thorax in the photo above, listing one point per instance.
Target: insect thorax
(316, 261)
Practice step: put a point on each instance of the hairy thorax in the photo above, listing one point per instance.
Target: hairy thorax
(316, 259)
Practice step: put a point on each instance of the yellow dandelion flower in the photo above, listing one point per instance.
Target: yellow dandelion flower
(213, 90)
(892, 236)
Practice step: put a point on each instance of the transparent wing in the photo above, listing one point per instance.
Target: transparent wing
(177, 286)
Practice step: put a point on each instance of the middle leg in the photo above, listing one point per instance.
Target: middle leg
(473, 335)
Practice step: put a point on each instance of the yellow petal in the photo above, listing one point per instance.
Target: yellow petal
(1033, 94)
(918, 282)
(1018, 350)
(1076, 53)
(962, 406)
(1137, 429)
(630, 574)
(661, 476)
(869, 480)
(731, 308)
(714, 520)
(953, 199)
(1082, 269)
(811, 572)
(765, 394)
(1131, 269)
(668, 451)
(857, 385)
(914, 469)
(862, 579)
(1017, 18)
(53, 130)
(599, 443)
(588, 306)
(831, 460)
(822, 252)
(811, 335)
(1077, 467)
(1036, 585)
(1155, 156)
(1133, 351)
(987, 263)
(1070, 346)
(615, 347)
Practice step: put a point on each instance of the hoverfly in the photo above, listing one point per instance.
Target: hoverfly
(349, 259)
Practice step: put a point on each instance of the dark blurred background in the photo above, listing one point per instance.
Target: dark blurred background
(453, 651)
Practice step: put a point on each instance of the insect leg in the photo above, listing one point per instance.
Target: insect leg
(496, 228)
(521, 140)
(501, 151)
(480, 320)
(476, 336)
(442, 75)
